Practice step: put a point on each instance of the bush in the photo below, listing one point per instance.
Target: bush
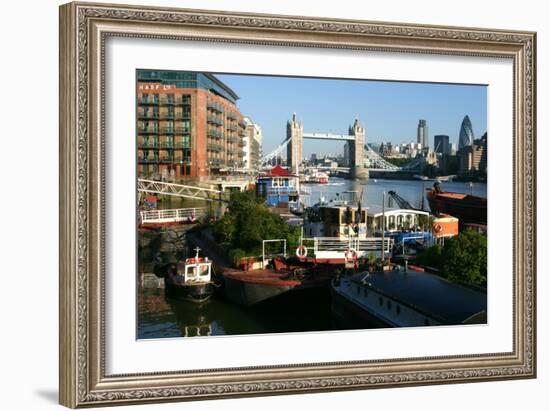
(465, 258)
(431, 257)
(236, 255)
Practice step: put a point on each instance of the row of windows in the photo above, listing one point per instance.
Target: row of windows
(389, 303)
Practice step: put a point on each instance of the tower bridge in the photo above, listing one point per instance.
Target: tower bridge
(362, 157)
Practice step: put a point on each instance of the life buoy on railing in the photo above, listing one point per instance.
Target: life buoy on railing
(301, 251)
(350, 254)
(437, 228)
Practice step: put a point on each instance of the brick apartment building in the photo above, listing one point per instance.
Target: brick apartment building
(188, 126)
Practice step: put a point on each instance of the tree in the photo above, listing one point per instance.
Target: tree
(248, 222)
(465, 258)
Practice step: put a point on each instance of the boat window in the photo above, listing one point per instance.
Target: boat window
(389, 305)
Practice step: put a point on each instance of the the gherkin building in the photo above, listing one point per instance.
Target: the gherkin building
(466, 137)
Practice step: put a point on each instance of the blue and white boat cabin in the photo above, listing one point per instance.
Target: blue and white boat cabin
(279, 187)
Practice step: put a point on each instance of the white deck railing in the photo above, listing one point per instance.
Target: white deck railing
(175, 215)
(334, 247)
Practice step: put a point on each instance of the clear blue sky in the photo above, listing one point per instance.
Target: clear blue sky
(389, 110)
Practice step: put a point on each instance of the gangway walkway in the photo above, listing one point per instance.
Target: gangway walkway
(174, 215)
(180, 190)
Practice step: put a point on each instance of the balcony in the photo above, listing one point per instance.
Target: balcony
(166, 160)
(166, 131)
(214, 134)
(242, 143)
(231, 140)
(148, 116)
(183, 101)
(146, 160)
(152, 130)
(148, 101)
(242, 123)
(148, 144)
(182, 115)
(214, 120)
(232, 127)
(231, 116)
(214, 107)
(166, 102)
(182, 131)
(214, 147)
(215, 161)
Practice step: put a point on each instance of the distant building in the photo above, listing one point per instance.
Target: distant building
(441, 144)
(188, 125)
(253, 145)
(466, 136)
(422, 134)
(473, 158)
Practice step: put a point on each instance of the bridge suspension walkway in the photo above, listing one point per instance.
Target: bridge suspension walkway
(181, 190)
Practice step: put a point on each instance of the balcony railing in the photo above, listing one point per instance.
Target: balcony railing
(148, 116)
(232, 127)
(148, 144)
(166, 131)
(214, 147)
(214, 120)
(214, 133)
(148, 101)
(182, 130)
(215, 106)
(152, 130)
(182, 115)
(182, 101)
(231, 140)
(231, 116)
(148, 160)
(166, 101)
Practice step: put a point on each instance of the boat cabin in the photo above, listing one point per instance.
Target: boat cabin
(195, 270)
(397, 219)
(339, 220)
(279, 187)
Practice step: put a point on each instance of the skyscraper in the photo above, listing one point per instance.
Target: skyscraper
(466, 136)
(422, 134)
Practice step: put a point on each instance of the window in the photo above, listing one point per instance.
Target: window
(389, 305)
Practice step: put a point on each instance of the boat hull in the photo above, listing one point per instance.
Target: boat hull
(248, 293)
(468, 209)
(348, 315)
(198, 293)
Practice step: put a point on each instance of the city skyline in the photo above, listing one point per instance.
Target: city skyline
(331, 105)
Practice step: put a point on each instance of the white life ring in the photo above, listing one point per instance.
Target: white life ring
(301, 251)
(352, 252)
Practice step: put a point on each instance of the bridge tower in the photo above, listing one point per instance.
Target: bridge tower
(357, 152)
(294, 132)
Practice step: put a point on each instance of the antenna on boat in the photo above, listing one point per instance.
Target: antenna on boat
(383, 222)
(197, 249)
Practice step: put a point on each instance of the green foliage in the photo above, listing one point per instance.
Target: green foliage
(465, 258)
(398, 161)
(235, 255)
(431, 257)
(248, 222)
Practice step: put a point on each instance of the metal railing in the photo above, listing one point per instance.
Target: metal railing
(334, 245)
(181, 190)
(175, 215)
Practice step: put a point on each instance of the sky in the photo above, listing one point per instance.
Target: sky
(389, 111)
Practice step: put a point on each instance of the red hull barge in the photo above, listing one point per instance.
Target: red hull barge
(467, 208)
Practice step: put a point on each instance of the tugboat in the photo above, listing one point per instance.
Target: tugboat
(190, 279)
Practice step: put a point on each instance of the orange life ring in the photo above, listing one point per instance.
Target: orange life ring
(353, 253)
(301, 251)
(437, 228)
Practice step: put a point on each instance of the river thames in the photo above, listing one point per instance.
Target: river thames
(161, 317)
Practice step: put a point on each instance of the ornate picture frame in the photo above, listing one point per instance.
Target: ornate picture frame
(84, 29)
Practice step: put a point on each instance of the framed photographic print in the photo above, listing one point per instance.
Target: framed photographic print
(260, 204)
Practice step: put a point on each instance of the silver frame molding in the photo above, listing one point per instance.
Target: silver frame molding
(84, 27)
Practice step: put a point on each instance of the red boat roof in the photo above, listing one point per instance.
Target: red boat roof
(278, 171)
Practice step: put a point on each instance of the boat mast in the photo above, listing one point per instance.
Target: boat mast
(383, 221)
